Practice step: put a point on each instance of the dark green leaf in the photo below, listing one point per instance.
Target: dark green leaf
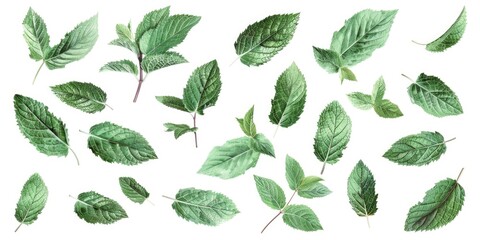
(96, 208)
(202, 88)
(133, 190)
(83, 96)
(270, 193)
(150, 21)
(361, 190)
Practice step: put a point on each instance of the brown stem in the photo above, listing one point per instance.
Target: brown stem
(140, 79)
(280, 212)
(194, 126)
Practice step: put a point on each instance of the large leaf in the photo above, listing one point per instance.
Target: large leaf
(293, 172)
(36, 35)
(231, 159)
(261, 144)
(246, 123)
(32, 200)
(179, 129)
(203, 88)
(417, 149)
(434, 96)
(172, 102)
(301, 217)
(270, 192)
(83, 96)
(328, 59)
(361, 191)
(150, 21)
(114, 143)
(290, 95)
(125, 43)
(121, 66)
(96, 208)
(262, 40)
(204, 207)
(451, 36)
(362, 34)
(163, 60)
(75, 45)
(133, 190)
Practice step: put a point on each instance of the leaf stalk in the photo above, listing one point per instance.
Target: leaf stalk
(280, 212)
(38, 71)
(194, 126)
(140, 78)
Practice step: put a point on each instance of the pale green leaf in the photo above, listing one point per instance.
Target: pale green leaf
(133, 190)
(312, 188)
(121, 66)
(36, 35)
(203, 88)
(172, 102)
(328, 59)
(361, 100)
(294, 173)
(451, 36)
(179, 129)
(83, 96)
(301, 217)
(96, 208)
(150, 21)
(361, 190)
(270, 192)
(124, 32)
(163, 60)
(261, 144)
(32, 200)
(246, 123)
(125, 43)
(378, 91)
(346, 73)
(387, 109)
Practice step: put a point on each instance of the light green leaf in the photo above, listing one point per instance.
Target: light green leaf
(312, 188)
(361, 191)
(417, 149)
(124, 32)
(328, 59)
(150, 21)
(83, 96)
(362, 34)
(261, 144)
(290, 95)
(172, 102)
(434, 96)
(179, 129)
(133, 190)
(360, 100)
(346, 73)
(204, 207)
(36, 35)
(387, 109)
(126, 44)
(75, 45)
(262, 40)
(451, 36)
(231, 159)
(310, 180)
(32, 200)
(113, 143)
(301, 217)
(247, 125)
(378, 91)
(96, 208)
(163, 60)
(121, 66)
(294, 173)
(203, 88)
(270, 193)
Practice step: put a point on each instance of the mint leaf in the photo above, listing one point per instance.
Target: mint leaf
(163, 60)
(203, 88)
(387, 109)
(179, 129)
(172, 102)
(451, 36)
(133, 190)
(113, 143)
(247, 125)
(150, 21)
(361, 191)
(261, 144)
(289, 99)
(360, 100)
(378, 91)
(262, 40)
(346, 73)
(124, 32)
(36, 35)
(312, 188)
(328, 59)
(125, 43)
(121, 66)
(32, 201)
(83, 96)
(294, 173)
(270, 193)
(96, 208)
(301, 217)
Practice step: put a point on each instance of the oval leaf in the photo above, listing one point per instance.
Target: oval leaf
(32, 200)
(270, 193)
(312, 189)
(96, 208)
(83, 96)
(133, 190)
(172, 102)
(360, 100)
(121, 66)
(387, 109)
(451, 36)
(150, 21)
(179, 129)
(36, 35)
(301, 217)
(163, 60)
(202, 88)
(261, 144)
(361, 190)
(328, 59)
(294, 173)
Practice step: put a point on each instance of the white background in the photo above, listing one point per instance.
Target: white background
(399, 187)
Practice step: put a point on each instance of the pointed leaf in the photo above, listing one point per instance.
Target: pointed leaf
(346, 73)
(179, 129)
(301, 217)
(247, 125)
(32, 200)
(203, 88)
(150, 21)
(172, 102)
(83, 96)
(294, 173)
(328, 59)
(451, 36)
(163, 60)
(361, 100)
(126, 44)
(270, 193)
(261, 144)
(378, 91)
(36, 36)
(361, 190)
(387, 109)
(96, 208)
(312, 189)
(133, 190)
(124, 32)
(121, 66)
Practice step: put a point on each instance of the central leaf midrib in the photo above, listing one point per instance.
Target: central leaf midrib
(200, 206)
(360, 38)
(115, 142)
(231, 158)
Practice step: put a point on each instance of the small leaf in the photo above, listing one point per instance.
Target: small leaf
(247, 125)
(361, 190)
(36, 35)
(387, 109)
(270, 193)
(179, 129)
(294, 173)
(328, 59)
(310, 180)
(231, 159)
(163, 60)
(204, 207)
(124, 31)
(32, 200)
(361, 100)
(346, 73)
(150, 21)
(113, 143)
(262, 40)
(378, 91)
(451, 36)
(261, 144)
(125, 43)
(434, 96)
(301, 217)
(312, 189)
(133, 190)
(121, 66)
(96, 208)
(172, 102)
(290, 95)
(83, 96)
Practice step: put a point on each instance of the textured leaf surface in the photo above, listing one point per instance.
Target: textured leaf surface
(204, 207)
(346, 73)
(32, 200)
(124, 31)
(378, 91)
(121, 66)
(262, 40)
(361, 190)
(451, 36)
(163, 60)
(261, 144)
(96, 208)
(133, 190)
(125, 43)
(231, 159)
(434, 96)
(387, 109)
(150, 21)
(294, 173)
(36, 35)
(301, 217)
(289, 99)
(246, 123)
(172, 102)
(202, 88)
(361, 100)
(270, 192)
(312, 189)
(328, 59)
(114, 143)
(179, 129)
(418, 149)
(83, 96)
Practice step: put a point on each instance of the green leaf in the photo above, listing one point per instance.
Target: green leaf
(36, 35)
(163, 60)
(124, 32)
(378, 91)
(179, 129)
(440, 206)
(301, 217)
(43, 129)
(121, 66)
(417, 149)
(387, 109)
(333, 133)
(32, 200)
(328, 59)
(294, 173)
(360, 100)
(346, 73)
(83, 96)
(75, 45)
(262, 40)
(167, 34)
(133, 190)
(434, 96)
(96, 208)
(113, 143)
(362, 34)
(361, 191)
(261, 144)
(203, 88)
(289, 100)
(312, 188)
(172, 102)
(310, 180)
(204, 207)
(451, 36)
(230, 160)
(150, 21)
(270, 193)
(246, 123)
(126, 44)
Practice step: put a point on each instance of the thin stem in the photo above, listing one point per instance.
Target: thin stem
(16, 229)
(293, 195)
(323, 167)
(74, 154)
(195, 125)
(368, 221)
(108, 106)
(236, 59)
(140, 79)
(449, 140)
(460, 174)
(167, 197)
(279, 212)
(276, 130)
(423, 44)
(36, 74)
(408, 78)
(148, 200)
